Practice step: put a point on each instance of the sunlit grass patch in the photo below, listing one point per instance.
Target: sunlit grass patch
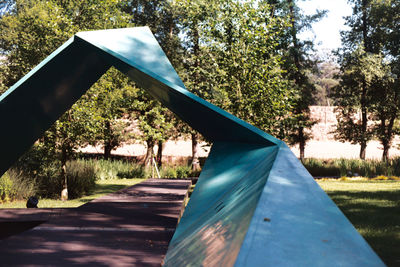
(102, 188)
(373, 206)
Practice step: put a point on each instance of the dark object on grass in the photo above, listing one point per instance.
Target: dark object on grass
(32, 202)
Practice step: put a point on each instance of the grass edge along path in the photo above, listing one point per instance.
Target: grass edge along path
(102, 188)
(373, 207)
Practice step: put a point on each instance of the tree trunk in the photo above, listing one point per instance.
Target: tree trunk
(387, 136)
(363, 146)
(149, 154)
(364, 121)
(364, 118)
(195, 162)
(64, 191)
(107, 151)
(385, 153)
(300, 109)
(159, 153)
(107, 140)
(302, 143)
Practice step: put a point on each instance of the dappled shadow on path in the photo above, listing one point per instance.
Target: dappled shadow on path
(130, 227)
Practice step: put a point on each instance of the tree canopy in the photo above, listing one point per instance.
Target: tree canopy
(244, 56)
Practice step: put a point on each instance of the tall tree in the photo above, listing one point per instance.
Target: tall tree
(368, 64)
(385, 106)
(384, 18)
(359, 24)
(155, 121)
(154, 124)
(113, 97)
(193, 18)
(359, 74)
(231, 59)
(244, 38)
(298, 65)
(30, 31)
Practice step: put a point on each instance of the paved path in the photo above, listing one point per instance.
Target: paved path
(131, 227)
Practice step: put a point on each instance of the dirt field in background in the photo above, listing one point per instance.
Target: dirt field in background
(314, 149)
(322, 145)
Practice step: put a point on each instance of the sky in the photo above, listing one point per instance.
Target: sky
(327, 30)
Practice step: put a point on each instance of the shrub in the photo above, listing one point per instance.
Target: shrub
(134, 171)
(178, 172)
(194, 173)
(183, 171)
(81, 179)
(323, 168)
(34, 161)
(49, 181)
(111, 169)
(14, 185)
(6, 188)
(168, 172)
(23, 186)
(352, 167)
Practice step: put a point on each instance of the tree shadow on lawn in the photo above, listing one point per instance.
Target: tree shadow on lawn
(376, 215)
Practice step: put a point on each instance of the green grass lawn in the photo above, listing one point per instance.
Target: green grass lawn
(374, 209)
(102, 187)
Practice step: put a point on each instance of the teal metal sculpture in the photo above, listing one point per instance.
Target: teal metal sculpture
(254, 203)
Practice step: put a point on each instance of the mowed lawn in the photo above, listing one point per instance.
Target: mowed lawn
(374, 209)
(102, 188)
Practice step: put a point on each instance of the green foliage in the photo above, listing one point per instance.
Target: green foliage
(155, 122)
(102, 188)
(112, 98)
(356, 91)
(81, 179)
(15, 185)
(38, 173)
(113, 169)
(369, 63)
(6, 188)
(181, 171)
(298, 66)
(168, 172)
(245, 38)
(23, 186)
(29, 32)
(134, 171)
(319, 168)
(32, 176)
(352, 167)
(108, 169)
